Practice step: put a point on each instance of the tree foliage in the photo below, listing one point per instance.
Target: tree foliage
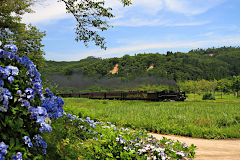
(236, 84)
(12, 30)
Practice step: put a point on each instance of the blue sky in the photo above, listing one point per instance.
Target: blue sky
(148, 26)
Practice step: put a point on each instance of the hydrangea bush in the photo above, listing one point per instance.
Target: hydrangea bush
(77, 138)
(25, 109)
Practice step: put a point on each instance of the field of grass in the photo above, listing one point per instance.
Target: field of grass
(194, 119)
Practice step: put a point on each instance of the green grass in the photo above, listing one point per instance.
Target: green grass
(205, 119)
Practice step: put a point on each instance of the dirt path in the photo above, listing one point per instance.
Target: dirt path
(115, 69)
(210, 149)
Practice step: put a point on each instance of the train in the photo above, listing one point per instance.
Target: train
(131, 95)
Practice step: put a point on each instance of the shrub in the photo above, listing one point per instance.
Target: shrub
(208, 96)
(77, 138)
(25, 111)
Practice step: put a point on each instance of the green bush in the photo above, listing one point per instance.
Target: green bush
(25, 111)
(208, 96)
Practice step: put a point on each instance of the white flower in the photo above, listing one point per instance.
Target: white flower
(181, 153)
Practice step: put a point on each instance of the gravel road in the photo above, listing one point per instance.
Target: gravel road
(210, 149)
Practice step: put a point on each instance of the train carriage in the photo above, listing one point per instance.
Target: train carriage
(131, 95)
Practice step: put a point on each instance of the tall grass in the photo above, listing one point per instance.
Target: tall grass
(194, 119)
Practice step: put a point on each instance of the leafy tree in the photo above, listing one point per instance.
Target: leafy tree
(236, 84)
(224, 86)
(12, 30)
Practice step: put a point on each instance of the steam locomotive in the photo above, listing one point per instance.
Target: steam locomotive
(131, 95)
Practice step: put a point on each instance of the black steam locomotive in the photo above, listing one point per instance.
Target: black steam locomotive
(131, 95)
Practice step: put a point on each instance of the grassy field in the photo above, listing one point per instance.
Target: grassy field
(206, 119)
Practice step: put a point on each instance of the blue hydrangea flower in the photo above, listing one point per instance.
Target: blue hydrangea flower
(39, 142)
(45, 128)
(37, 137)
(6, 55)
(2, 157)
(26, 103)
(1, 83)
(41, 111)
(38, 111)
(6, 73)
(3, 148)
(19, 92)
(12, 47)
(44, 151)
(37, 87)
(18, 156)
(2, 71)
(8, 94)
(11, 79)
(69, 115)
(5, 95)
(60, 102)
(27, 141)
(30, 93)
(48, 92)
(40, 120)
(13, 70)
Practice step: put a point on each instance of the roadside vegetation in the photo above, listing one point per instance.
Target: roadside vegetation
(77, 138)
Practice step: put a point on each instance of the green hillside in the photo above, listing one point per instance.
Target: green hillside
(209, 64)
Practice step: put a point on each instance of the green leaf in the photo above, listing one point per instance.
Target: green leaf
(19, 123)
(39, 157)
(109, 155)
(12, 143)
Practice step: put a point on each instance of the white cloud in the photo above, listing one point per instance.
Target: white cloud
(141, 13)
(146, 6)
(137, 22)
(145, 47)
(159, 13)
(191, 7)
(46, 12)
(151, 7)
(189, 23)
(208, 34)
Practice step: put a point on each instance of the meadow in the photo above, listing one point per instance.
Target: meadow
(219, 119)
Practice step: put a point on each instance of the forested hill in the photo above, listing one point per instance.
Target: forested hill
(209, 64)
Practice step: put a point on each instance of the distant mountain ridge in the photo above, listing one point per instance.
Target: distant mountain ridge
(209, 64)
